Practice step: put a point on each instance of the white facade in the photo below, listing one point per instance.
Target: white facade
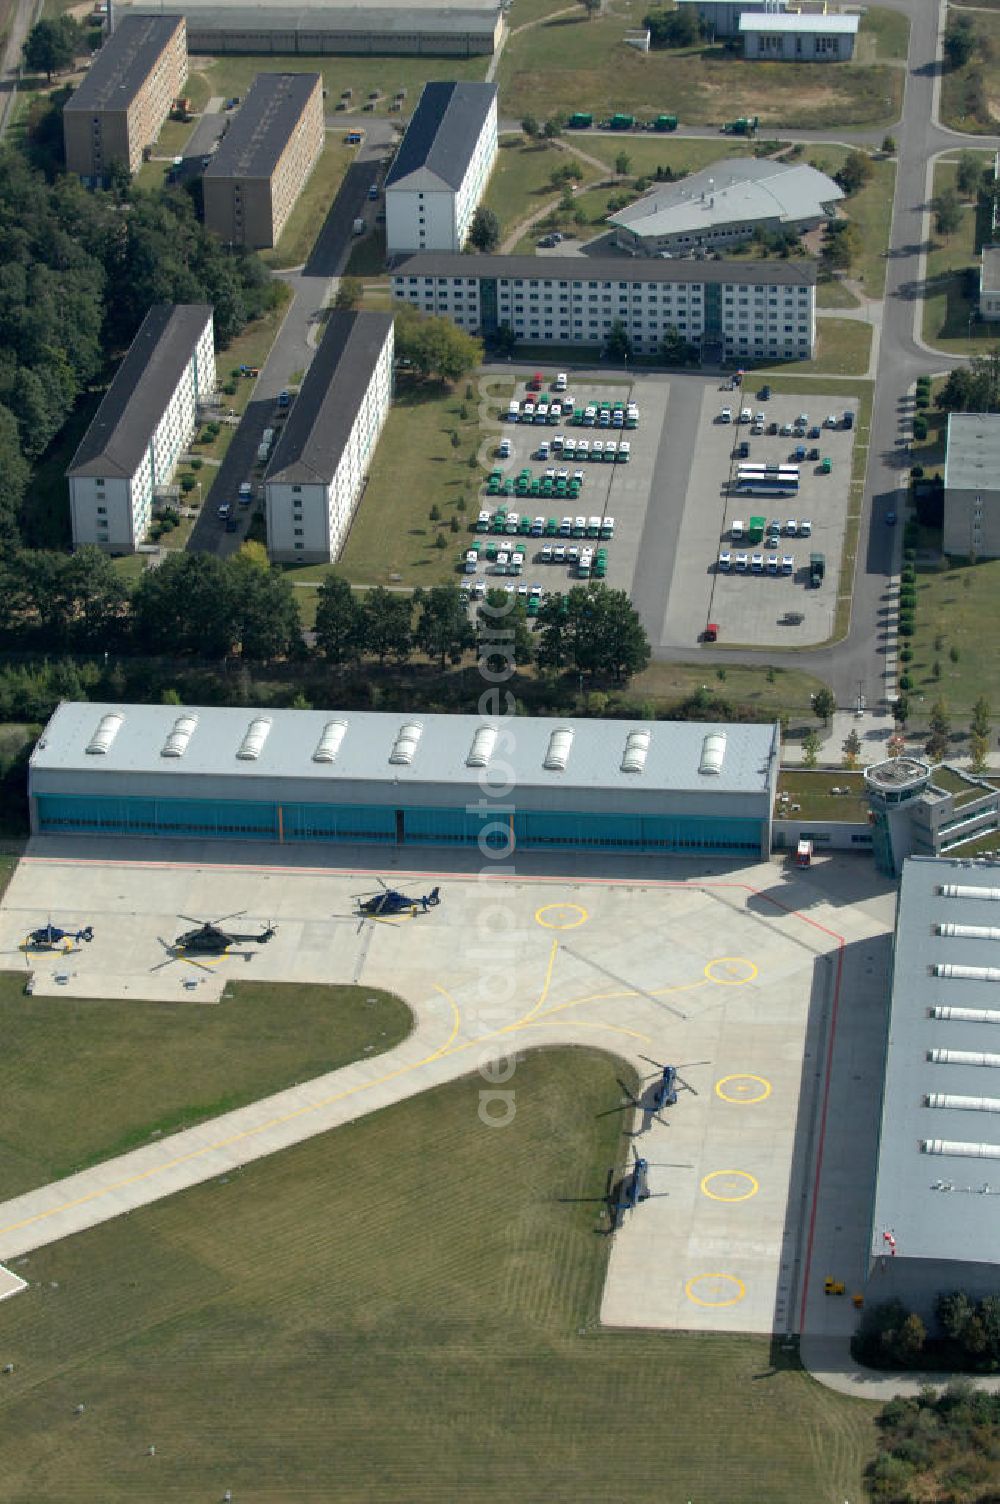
(308, 522)
(430, 208)
(791, 37)
(114, 510)
(762, 315)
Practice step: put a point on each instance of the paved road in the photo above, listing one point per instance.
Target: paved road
(293, 349)
(21, 23)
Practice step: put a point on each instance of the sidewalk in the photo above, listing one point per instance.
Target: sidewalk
(874, 729)
(829, 1361)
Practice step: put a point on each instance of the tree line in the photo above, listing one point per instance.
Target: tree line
(79, 271)
(965, 1335)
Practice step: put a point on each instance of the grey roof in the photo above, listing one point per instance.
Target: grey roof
(256, 138)
(443, 132)
(325, 409)
(440, 755)
(932, 1203)
(477, 17)
(134, 402)
(732, 192)
(972, 458)
(989, 275)
(788, 21)
(605, 269)
(124, 63)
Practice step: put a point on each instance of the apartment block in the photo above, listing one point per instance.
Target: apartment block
(321, 463)
(441, 169)
(751, 309)
(143, 424)
(265, 159)
(972, 486)
(125, 98)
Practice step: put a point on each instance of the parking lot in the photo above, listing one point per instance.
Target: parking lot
(544, 550)
(757, 583)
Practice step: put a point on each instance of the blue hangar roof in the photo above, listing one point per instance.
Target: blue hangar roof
(366, 747)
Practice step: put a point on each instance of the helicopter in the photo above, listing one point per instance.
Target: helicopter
(391, 902)
(630, 1190)
(663, 1093)
(48, 936)
(208, 938)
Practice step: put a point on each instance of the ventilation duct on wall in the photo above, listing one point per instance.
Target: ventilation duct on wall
(108, 728)
(180, 734)
(329, 743)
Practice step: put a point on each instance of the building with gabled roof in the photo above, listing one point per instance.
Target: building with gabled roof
(798, 36)
(441, 169)
(144, 422)
(319, 466)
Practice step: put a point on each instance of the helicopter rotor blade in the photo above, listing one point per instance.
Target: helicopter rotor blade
(190, 919)
(382, 885)
(238, 914)
(650, 1061)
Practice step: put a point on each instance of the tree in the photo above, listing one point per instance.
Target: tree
(387, 616)
(852, 749)
(981, 717)
(597, 631)
(340, 622)
(592, 7)
(553, 127)
(947, 211)
(185, 607)
(505, 340)
(530, 127)
(973, 388)
(841, 246)
(622, 647)
(503, 634)
(940, 731)
(348, 293)
(855, 172)
(823, 704)
(52, 45)
(622, 163)
(675, 349)
(959, 40)
(674, 28)
(889, 145)
(443, 630)
(968, 174)
(263, 609)
(618, 346)
(810, 748)
(435, 346)
(484, 232)
(979, 752)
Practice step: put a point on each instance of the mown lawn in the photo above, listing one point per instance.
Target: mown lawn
(233, 75)
(418, 466)
(570, 63)
(843, 348)
(957, 611)
(405, 1309)
(646, 153)
(811, 789)
(883, 35)
(868, 209)
(947, 307)
(84, 1080)
(520, 186)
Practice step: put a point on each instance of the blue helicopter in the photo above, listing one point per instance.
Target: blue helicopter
(629, 1192)
(391, 902)
(51, 936)
(667, 1084)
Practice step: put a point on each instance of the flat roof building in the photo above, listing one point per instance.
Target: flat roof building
(442, 167)
(289, 28)
(797, 37)
(125, 97)
(265, 159)
(934, 1218)
(989, 283)
(319, 467)
(729, 201)
(972, 486)
(750, 309)
(144, 422)
(406, 780)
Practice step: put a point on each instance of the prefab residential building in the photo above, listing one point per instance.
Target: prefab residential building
(126, 96)
(400, 780)
(321, 461)
(748, 309)
(441, 169)
(972, 486)
(144, 422)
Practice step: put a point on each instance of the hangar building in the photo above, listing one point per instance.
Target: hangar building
(392, 779)
(934, 1223)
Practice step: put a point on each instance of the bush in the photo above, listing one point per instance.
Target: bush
(919, 427)
(188, 483)
(905, 682)
(230, 388)
(905, 629)
(196, 464)
(905, 655)
(917, 472)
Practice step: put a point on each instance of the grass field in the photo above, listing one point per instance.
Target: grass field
(970, 96)
(417, 466)
(570, 63)
(85, 1080)
(843, 348)
(646, 153)
(403, 1310)
(947, 306)
(868, 210)
(772, 692)
(233, 75)
(306, 219)
(519, 185)
(957, 609)
(888, 30)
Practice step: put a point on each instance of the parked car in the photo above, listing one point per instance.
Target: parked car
(726, 415)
